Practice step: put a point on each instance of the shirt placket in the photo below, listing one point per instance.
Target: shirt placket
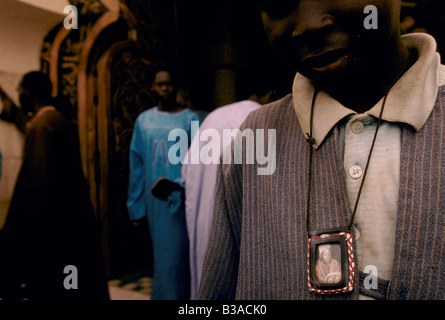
(359, 133)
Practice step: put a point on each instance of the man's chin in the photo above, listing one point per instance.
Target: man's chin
(165, 99)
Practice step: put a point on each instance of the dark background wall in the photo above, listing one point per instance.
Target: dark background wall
(226, 37)
(216, 47)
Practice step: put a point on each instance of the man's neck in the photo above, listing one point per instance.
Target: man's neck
(169, 107)
(39, 106)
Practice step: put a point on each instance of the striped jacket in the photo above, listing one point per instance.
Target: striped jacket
(258, 245)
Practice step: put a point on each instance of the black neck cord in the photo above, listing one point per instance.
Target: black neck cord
(311, 140)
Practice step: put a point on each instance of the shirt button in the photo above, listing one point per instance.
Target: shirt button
(357, 127)
(355, 172)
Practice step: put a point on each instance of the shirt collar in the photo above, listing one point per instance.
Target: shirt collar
(410, 101)
(38, 115)
(43, 110)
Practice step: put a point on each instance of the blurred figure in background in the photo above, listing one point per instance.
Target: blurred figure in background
(149, 164)
(186, 99)
(11, 146)
(50, 223)
(199, 179)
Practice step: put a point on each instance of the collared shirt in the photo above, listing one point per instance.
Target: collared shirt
(410, 102)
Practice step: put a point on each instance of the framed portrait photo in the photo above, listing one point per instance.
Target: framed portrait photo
(330, 262)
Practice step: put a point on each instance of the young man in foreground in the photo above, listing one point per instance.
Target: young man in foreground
(360, 165)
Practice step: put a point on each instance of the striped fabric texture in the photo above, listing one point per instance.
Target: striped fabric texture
(258, 244)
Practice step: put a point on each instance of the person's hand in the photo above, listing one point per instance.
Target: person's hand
(163, 188)
(136, 223)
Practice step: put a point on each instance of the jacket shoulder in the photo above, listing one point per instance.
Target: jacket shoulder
(270, 114)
